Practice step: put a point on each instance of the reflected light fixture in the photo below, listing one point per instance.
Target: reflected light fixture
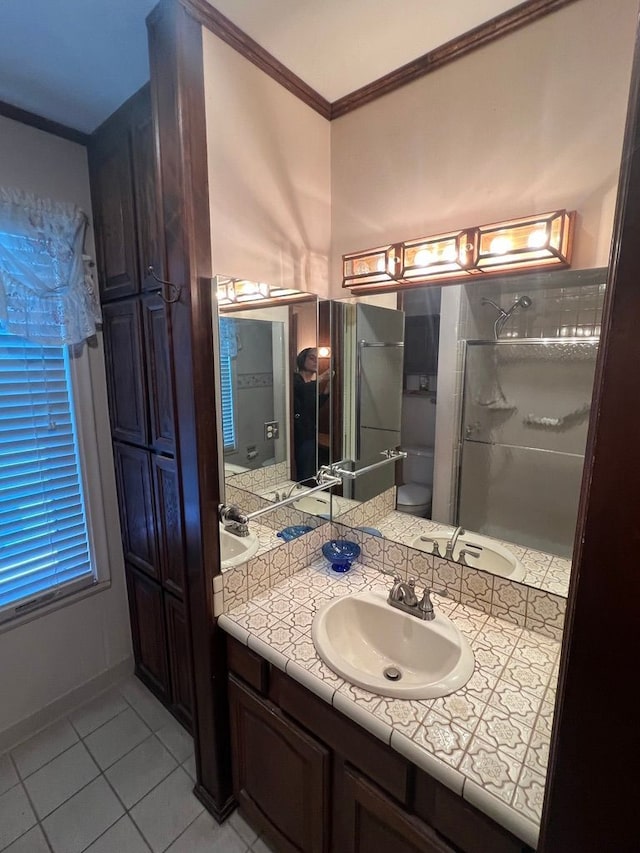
(324, 352)
(235, 291)
(533, 241)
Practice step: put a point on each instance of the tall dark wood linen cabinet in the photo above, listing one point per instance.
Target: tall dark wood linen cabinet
(138, 354)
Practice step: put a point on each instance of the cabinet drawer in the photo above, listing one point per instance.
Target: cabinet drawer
(249, 666)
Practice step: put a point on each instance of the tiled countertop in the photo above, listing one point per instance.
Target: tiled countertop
(488, 742)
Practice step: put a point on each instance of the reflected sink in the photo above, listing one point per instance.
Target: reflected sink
(318, 503)
(361, 637)
(493, 557)
(236, 550)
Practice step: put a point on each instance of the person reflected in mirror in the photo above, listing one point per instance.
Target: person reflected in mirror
(310, 392)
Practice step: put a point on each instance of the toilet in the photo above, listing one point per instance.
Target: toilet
(414, 496)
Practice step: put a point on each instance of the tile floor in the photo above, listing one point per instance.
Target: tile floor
(115, 776)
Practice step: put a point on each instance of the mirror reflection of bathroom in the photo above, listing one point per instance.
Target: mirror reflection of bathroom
(497, 378)
(419, 395)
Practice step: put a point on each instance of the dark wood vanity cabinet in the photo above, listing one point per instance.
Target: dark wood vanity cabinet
(137, 337)
(312, 780)
(280, 773)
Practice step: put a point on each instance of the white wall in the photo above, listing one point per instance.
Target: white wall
(269, 176)
(531, 122)
(48, 657)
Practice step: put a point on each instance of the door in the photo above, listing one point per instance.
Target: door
(526, 408)
(379, 346)
(280, 774)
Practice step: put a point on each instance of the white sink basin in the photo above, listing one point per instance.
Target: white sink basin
(493, 557)
(360, 636)
(318, 503)
(236, 550)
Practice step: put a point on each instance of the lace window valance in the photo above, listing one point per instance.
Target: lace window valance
(47, 294)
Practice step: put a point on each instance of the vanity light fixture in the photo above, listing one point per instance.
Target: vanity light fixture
(533, 241)
(541, 240)
(324, 352)
(443, 256)
(375, 266)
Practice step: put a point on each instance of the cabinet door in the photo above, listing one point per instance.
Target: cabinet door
(135, 500)
(377, 823)
(169, 524)
(280, 774)
(160, 397)
(145, 191)
(122, 325)
(179, 659)
(148, 632)
(112, 182)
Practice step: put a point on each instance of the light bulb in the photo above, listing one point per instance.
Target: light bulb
(537, 239)
(500, 245)
(381, 265)
(423, 258)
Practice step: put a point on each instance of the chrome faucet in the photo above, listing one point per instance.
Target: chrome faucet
(403, 596)
(233, 520)
(451, 544)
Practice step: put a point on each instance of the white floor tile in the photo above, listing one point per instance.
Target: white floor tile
(206, 836)
(117, 737)
(97, 712)
(41, 748)
(177, 740)
(60, 779)
(190, 766)
(140, 770)
(152, 712)
(83, 818)
(123, 837)
(243, 829)
(8, 775)
(31, 842)
(167, 811)
(16, 815)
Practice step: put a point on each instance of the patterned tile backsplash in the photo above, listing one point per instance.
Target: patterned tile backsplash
(516, 603)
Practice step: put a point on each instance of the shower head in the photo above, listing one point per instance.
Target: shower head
(523, 302)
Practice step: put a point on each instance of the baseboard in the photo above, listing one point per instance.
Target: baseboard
(64, 705)
(220, 814)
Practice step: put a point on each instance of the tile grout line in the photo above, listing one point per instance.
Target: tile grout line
(35, 813)
(101, 771)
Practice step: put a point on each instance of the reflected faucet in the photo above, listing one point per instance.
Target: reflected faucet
(451, 544)
(233, 520)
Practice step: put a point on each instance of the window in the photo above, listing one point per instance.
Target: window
(46, 546)
(228, 349)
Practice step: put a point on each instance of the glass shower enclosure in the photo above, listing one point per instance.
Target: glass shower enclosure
(525, 412)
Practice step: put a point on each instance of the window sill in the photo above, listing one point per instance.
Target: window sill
(58, 604)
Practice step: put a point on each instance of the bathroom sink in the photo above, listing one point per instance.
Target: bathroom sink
(319, 503)
(493, 557)
(236, 550)
(361, 637)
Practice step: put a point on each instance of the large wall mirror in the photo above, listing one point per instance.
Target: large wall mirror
(487, 388)
(274, 405)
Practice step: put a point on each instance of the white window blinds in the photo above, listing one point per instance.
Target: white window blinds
(44, 543)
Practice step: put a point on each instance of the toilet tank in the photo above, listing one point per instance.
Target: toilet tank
(418, 466)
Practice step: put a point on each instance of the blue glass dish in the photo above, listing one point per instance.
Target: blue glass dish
(292, 532)
(341, 553)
